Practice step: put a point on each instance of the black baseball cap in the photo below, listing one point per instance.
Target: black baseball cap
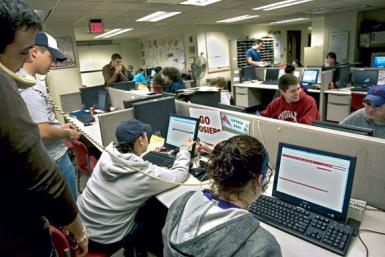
(46, 40)
(130, 130)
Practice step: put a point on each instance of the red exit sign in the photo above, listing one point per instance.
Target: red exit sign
(96, 26)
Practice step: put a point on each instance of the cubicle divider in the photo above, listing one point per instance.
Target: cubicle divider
(369, 178)
(71, 102)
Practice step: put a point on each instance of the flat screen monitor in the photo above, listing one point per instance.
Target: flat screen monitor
(378, 60)
(128, 103)
(125, 85)
(155, 112)
(272, 75)
(208, 98)
(232, 107)
(179, 129)
(310, 76)
(365, 78)
(102, 100)
(316, 180)
(248, 73)
(90, 95)
(341, 75)
(342, 127)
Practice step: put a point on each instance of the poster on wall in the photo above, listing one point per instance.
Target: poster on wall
(218, 54)
(338, 43)
(65, 45)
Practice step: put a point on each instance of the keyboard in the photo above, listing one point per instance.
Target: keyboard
(317, 229)
(160, 159)
(270, 82)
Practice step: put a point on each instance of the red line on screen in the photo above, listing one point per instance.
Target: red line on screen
(306, 185)
(314, 162)
(320, 168)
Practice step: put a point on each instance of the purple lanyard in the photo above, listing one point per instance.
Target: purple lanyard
(221, 203)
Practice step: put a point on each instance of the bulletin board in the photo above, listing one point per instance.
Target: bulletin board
(338, 43)
(165, 52)
(65, 46)
(218, 54)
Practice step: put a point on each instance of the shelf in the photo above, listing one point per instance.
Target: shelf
(267, 51)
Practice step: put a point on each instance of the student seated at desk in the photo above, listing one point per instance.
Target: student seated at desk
(172, 80)
(293, 104)
(373, 114)
(216, 222)
(221, 83)
(114, 193)
(139, 77)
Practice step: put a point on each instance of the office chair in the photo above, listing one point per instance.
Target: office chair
(62, 245)
(357, 100)
(85, 162)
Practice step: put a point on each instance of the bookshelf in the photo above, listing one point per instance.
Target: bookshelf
(267, 51)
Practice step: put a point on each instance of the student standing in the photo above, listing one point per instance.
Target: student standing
(44, 54)
(294, 104)
(32, 188)
(253, 54)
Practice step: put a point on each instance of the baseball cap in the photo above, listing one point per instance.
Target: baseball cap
(130, 130)
(46, 40)
(376, 95)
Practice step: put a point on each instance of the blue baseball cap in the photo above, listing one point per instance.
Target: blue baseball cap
(46, 40)
(130, 130)
(376, 95)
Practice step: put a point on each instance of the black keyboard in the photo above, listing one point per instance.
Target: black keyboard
(160, 159)
(270, 82)
(317, 229)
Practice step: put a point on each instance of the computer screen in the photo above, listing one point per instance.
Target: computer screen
(179, 129)
(149, 73)
(248, 73)
(125, 85)
(341, 75)
(342, 127)
(102, 100)
(90, 95)
(271, 74)
(118, 96)
(365, 78)
(378, 60)
(156, 113)
(208, 98)
(310, 76)
(316, 180)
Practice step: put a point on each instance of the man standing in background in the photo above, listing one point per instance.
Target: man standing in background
(114, 71)
(253, 54)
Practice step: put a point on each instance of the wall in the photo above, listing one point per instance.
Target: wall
(130, 52)
(377, 15)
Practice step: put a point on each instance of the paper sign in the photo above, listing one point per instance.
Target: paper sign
(237, 124)
(210, 126)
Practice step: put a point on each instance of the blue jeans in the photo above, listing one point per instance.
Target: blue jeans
(68, 170)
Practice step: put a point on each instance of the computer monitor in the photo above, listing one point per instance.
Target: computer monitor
(342, 127)
(271, 74)
(365, 77)
(149, 73)
(232, 107)
(310, 76)
(179, 129)
(90, 95)
(248, 73)
(103, 101)
(316, 180)
(128, 103)
(341, 75)
(118, 96)
(208, 98)
(156, 113)
(125, 85)
(378, 60)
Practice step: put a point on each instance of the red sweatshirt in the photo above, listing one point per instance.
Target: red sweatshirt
(304, 111)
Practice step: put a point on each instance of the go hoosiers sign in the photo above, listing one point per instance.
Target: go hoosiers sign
(210, 124)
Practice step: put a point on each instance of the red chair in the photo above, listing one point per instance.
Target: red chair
(158, 89)
(357, 99)
(85, 162)
(62, 246)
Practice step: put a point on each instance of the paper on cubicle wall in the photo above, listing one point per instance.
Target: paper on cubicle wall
(381, 77)
(236, 124)
(210, 126)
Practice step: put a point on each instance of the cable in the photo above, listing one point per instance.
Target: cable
(118, 159)
(362, 241)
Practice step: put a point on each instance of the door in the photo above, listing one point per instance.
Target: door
(293, 45)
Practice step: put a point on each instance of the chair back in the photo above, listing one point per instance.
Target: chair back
(82, 157)
(60, 242)
(158, 89)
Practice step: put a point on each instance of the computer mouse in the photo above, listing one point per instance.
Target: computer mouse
(198, 172)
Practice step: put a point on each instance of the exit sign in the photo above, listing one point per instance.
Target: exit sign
(96, 26)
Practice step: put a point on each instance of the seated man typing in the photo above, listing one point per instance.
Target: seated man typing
(293, 104)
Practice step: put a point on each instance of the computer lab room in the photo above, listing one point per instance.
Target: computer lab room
(221, 127)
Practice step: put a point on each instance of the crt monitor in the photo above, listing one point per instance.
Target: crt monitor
(90, 95)
(343, 127)
(208, 98)
(179, 129)
(378, 60)
(341, 75)
(155, 112)
(125, 85)
(365, 77)
(129, 103)
(316, 180)
(272, 75)
(248, 73)
(103, 100)
(310, 76)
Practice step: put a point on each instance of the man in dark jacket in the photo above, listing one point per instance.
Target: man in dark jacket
(32, 189)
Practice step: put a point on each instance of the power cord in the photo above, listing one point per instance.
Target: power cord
(362, 241)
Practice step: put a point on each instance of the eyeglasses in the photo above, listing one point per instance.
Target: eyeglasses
(267, 179)
(369, 104)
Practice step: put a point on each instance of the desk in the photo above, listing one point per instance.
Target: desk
(92, 131)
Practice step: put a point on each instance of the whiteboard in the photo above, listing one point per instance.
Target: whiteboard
(338, 43)
(94, 57)
(217, 48)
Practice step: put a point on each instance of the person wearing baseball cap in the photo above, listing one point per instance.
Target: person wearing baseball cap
(373, 114)
(116, 191)
(44, 54)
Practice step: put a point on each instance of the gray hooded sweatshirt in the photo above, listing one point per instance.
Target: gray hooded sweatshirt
(196, 226)
(359, 119)
(114, 193)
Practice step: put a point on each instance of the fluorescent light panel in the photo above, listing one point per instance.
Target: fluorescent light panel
(199, 2)
(289, 20)
(238, 18)
(281, 4)
(107, 33)
(118, 32)
(112, 33)
(157, 16)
